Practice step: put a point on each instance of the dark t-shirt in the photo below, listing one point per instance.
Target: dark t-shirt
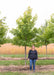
(32, 54)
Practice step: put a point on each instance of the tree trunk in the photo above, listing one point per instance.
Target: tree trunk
(46, 50)
(0, 45)
(25, 55)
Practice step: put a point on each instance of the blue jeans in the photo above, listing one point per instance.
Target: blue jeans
(32, 62)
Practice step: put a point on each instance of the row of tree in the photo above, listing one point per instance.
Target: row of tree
(26, 34)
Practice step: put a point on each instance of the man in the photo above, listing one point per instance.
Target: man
(33, 56)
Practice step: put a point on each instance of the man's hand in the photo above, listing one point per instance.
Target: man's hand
(28, 59)
(37, 60)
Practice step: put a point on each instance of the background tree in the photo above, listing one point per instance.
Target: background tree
(25, 31)
(46, 33)
(43, 36)
(51, 28)
(8, 40)
(3, 30)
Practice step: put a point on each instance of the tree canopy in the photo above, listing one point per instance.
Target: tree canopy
(3, 30)
(25, 30)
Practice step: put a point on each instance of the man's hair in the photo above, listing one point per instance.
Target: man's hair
(33, 44)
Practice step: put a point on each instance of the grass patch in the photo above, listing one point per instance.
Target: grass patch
(12, 73)
(45, 55)
(22, 62)
(12, 55)
(22, 55)
(45, 62)
(19, 73)
(12, 62)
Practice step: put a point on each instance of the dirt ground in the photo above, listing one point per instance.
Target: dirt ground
(42, 58)
(26, 68)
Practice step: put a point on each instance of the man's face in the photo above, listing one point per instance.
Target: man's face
(33, 47)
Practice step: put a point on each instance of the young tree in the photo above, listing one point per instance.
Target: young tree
(25, 30)
(8, 40)
(45, 36)
(51, 26)
(3, 30)
(46, 33)
(49, 32)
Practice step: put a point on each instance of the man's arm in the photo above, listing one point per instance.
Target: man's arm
(36, 54)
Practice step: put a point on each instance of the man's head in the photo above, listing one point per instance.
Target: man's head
(33, 47)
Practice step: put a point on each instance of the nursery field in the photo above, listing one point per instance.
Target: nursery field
(17, 67)
(8, 66)
(12, 61)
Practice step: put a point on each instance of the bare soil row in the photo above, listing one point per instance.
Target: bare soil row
(26, 68)
(42, 58)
